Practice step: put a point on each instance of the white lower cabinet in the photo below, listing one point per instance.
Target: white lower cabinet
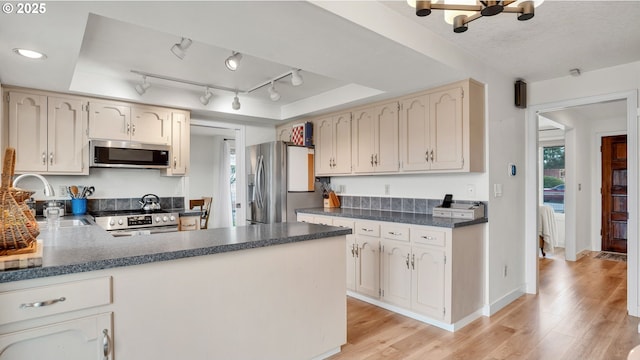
(78, 339)
(432, 272)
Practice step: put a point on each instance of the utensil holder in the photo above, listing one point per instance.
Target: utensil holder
(78, 206)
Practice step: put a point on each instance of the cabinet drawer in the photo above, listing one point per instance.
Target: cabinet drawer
(344, 223)
(305, 218)
(323, 220)
(428, 237)
(188, 223)
(395, 232)
(54, 299)
(367, 228)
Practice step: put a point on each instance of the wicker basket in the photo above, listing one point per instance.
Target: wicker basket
(19, 227)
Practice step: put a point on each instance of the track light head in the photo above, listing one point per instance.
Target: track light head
(206, 98)
(233, 61)
(142, 87)
(273, 93)
(180, 49)
(235, 105)
(527, 10)
(459, 25)
(296, 78)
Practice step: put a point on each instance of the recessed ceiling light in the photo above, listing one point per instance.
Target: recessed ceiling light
(31, 54)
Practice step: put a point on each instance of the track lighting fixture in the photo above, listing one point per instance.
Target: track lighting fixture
(142, 87)
(180, 49)
(461, 12)
(204, 99)
(296, 78)
(273, 93)
(235, 105)
(233, 61)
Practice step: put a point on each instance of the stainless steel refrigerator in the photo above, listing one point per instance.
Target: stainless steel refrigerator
(281, 179)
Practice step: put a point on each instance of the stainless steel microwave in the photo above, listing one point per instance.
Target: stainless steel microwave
(127, 154)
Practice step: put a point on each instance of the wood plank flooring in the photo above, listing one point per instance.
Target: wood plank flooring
(580, 313)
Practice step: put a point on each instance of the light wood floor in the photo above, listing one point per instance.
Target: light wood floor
(580, 313)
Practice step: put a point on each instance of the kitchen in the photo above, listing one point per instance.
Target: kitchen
(503, 120)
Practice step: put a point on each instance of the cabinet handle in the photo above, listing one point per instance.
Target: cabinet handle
(367, 230)
(376, 160)
(353, 251)
(128, 128)
(44, 158)
(431, 155)
(407, 261)
(334, 162)
(428, 237)
(413, 261)
(357, 251)
(106, 344)
(51, 158)
(371, 159)
(175, 162)
(133, 129)
(42, 303)
(394, 233)
(426, 156)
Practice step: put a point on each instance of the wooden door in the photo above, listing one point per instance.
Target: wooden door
(67, 138)
(28, 131)
(614, 193)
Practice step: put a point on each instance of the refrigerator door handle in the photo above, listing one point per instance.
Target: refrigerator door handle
(260, 181)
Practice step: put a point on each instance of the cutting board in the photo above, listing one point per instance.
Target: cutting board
(22, 261)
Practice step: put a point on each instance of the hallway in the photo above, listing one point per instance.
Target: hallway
(580, 313)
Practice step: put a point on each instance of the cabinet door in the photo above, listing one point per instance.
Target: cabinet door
(446, 129)
(414, 134)
(28, 131)
(396, 273)
(150, 125)
(385, 157)
(180, 143)
(368, 266)
(428, 281)
(342, 144)
(363, 135)
(111, 121)
(324, 146)
(79, 339)
(67, 139)
(284, 133)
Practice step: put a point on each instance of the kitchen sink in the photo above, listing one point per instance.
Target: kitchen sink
(65, 223)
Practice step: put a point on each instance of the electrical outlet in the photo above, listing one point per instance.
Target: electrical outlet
(62, 190)
(387, 189)
(505, 271)
(471, 191)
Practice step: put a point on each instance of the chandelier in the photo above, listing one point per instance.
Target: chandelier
(461, 12)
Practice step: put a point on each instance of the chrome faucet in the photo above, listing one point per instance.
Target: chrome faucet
(48, 190)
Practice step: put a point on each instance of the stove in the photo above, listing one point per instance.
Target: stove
(136, 222)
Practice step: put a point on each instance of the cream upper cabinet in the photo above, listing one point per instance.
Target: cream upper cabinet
(283, 133)
(110, 121)
(443, 129)
(180, 143)
(375, 139)
(48, 133)
(333, 144)
(121, 121)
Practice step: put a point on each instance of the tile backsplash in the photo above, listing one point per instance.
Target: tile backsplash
(116, 204)
(409, 205)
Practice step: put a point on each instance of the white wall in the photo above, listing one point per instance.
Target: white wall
(205, 159)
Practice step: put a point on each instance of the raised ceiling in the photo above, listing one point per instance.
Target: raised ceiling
(93, 46)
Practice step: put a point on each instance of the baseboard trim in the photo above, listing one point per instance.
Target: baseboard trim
(582, 254)
(425, 319)
(507, 299)
(327, 354)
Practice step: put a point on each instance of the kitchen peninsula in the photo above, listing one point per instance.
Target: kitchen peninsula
(254, 292)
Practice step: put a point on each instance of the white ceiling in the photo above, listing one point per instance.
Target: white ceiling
(93, 46)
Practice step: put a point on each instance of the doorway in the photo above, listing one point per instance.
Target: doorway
(579, 185)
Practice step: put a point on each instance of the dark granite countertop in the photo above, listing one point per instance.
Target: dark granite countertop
(88, 248)
(393, 216)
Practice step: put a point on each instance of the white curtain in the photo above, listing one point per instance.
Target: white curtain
(221, 215)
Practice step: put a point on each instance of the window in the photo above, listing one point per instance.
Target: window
(554, 177)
